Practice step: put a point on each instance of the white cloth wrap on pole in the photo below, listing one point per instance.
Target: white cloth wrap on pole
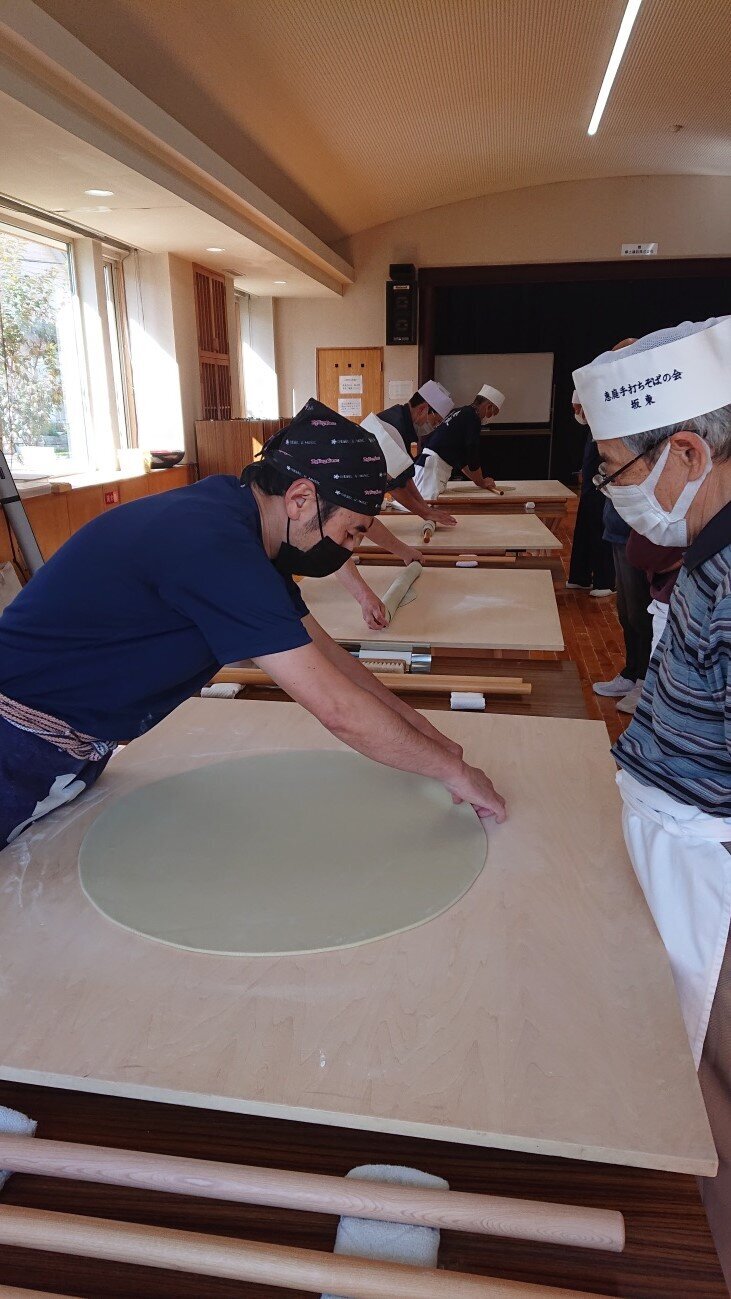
(399, 592)
(430, 528)
(12, 1121)
(389, 1242)
(431, 478)
(685, 874)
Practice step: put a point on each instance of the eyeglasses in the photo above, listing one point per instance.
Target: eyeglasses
(602, 479)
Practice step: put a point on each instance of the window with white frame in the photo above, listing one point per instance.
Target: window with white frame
(116, 306)
(43, 408)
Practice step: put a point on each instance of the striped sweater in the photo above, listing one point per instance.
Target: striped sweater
(679, 739)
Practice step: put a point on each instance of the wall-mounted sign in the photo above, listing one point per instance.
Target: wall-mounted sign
(639, 250)
(401, 389)
(351, 407)
(350, 383)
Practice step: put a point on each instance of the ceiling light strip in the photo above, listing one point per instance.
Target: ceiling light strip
(620, 45)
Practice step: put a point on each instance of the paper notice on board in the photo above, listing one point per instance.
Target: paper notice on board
(400, 389)
(350, 383)
(351, 407)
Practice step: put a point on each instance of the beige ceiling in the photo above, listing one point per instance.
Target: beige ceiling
(43, 165)
(354, 112)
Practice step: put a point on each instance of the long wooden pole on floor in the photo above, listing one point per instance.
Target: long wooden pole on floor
(491, 1215)
(238, 1260)
(403, 682)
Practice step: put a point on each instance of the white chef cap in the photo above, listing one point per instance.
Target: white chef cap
(663, 378)
(492, 394)
(579, 415)
(397, 460)
(437, 397)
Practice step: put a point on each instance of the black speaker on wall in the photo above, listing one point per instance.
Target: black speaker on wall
(401, 305)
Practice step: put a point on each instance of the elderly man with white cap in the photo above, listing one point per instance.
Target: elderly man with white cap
(660, 410)
(456, 444)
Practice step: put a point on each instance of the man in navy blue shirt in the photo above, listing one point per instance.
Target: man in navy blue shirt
(139, 609)
(418, 417)
(456, 443)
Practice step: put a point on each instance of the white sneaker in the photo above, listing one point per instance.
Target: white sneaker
(601, 590)
(617, 688)
(630, 701)
(577, 586)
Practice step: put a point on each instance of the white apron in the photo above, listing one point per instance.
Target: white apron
(431, 478)
(685, 874)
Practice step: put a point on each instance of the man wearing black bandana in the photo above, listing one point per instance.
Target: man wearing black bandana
(139, 609)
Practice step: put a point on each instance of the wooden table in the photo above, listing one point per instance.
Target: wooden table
(542, 491)
(474, 534)
(550, 497)
(92, 1008)
(479, 609)
(537, 1014)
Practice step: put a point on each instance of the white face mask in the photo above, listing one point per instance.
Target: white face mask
(639, 507)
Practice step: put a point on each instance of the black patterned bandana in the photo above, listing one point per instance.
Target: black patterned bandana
(343, 460)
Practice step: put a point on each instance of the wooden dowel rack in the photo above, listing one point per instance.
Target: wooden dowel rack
(239, 1260)
(489, 1215)
(403, 682)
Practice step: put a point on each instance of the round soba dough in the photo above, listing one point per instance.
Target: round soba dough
(281, 853)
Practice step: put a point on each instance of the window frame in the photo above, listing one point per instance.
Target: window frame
(114, 279)
(22, 228)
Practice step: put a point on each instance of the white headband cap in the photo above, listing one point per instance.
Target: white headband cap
(663, 378)
(492, 394)
(579, 415)
(437, 397)
(390, 443)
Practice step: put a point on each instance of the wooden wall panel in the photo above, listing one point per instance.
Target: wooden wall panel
(226, 446)
(56, 516)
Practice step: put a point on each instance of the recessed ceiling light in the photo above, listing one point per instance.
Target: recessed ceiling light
(615, 59)
(99, 193)
(280, 281)
(215, 250)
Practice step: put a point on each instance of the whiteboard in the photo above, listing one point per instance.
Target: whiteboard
(526, 378)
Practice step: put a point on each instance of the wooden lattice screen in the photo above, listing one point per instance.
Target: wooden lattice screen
(213, 348)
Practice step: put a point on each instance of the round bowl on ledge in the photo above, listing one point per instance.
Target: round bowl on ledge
(165, 459)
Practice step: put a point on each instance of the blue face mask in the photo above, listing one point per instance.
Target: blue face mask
(322, 559)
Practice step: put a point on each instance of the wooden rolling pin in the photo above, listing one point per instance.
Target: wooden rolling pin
(489, 1215)
(429, 683)
(243, 1260)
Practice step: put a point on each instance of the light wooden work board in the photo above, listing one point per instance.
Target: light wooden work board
(537, 1014)
(459, 608)
(518, 490)
(474, 533)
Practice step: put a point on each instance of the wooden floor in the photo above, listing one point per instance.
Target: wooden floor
(669, 1252)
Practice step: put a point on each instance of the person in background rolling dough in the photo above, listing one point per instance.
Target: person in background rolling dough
(418, 417)
(660, 410)
(457, 444)
(411, 424)
(140, 608)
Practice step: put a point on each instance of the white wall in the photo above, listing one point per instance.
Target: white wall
(163, 343)
(256, 316)
(574, 221)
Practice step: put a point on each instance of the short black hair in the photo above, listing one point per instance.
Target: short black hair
(272, 482)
